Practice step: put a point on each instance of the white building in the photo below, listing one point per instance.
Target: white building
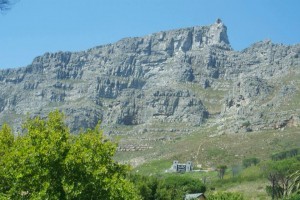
(182, 167)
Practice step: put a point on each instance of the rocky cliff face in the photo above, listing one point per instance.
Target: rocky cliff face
(178, 76)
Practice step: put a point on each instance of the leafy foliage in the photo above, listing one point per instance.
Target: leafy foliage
(221, 171)
(250, 161)
(6, 144)
(225, 196)
(6, 139)
(285, 154)
(171, 187)
(283, 176)
(294, 185)
(293, 197)
(47, 162)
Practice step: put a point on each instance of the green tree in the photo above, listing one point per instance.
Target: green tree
(170, 187)
(146, 191)
(280, 174)
(152, 188)
(47, 162)
(36, 163)
(221, 171)
(179, 185)
(91, 171)
(6, 139)
(6, 144)
(250, 161)
(285, 154)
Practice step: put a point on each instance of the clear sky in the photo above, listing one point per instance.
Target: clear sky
(33, 27)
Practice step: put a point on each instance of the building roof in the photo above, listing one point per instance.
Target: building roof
(193, 196)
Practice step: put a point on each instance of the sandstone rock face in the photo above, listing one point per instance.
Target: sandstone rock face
(175, 76)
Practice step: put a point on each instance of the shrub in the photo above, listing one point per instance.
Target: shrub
(250, 161)
(225, 196)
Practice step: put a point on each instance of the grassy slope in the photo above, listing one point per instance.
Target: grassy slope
(206, 147)
(211, 150)
(229, 149)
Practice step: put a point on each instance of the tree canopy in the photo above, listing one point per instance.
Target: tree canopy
(48, 162)
(283, 176)
(168, 187)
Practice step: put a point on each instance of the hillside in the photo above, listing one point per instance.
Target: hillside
(161, 86)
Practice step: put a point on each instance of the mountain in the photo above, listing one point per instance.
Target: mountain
(185, 77)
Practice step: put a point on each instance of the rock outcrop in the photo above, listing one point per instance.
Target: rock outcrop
(178, 76)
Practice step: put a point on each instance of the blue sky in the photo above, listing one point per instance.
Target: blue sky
(33, 27)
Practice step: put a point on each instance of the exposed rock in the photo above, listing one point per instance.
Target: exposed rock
(178, 76)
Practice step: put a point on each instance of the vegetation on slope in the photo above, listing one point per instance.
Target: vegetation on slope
(47, 162)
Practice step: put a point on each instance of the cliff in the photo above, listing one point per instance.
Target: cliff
(183, 76)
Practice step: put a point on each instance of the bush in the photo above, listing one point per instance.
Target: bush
(283, 176)
(246, 124)
(225, 196)
(187, 184)
(293, 197)
(250, 161)
(285, 154)
(172, 187)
